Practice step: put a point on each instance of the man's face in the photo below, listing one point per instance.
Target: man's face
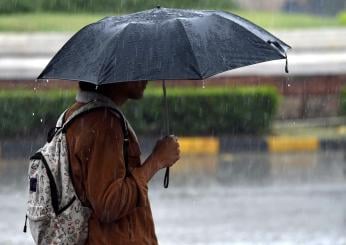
(135, 89)
(129, 90)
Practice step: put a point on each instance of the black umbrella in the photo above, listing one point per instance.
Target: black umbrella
(163, 44)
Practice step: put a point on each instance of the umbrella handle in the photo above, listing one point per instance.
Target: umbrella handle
(166, 123)
(166, 180)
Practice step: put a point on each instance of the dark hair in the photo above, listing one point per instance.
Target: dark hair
(84, 86)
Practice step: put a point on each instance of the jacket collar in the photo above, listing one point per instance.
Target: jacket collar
(87, 96)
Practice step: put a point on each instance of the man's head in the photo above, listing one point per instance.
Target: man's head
(122, 90)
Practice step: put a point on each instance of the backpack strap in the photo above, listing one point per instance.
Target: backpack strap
(93, 105)
(58, 125)
(60, 121)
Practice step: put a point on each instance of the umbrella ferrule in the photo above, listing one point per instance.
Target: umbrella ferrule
(282, 51)
(278, 47)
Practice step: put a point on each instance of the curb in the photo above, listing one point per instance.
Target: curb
(272, 144)
(211, 146)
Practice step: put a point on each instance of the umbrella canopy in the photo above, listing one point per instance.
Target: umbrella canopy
(157, 44)
(163, 44)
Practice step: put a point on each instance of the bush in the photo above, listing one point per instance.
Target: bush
(210, 111)
(13, 6)
(105, 6)
(28, 113)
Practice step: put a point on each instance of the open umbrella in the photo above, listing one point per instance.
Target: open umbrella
(163, 44)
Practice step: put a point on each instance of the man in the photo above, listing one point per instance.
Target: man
(120, 207)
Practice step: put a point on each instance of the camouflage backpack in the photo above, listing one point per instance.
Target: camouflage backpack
(55, 214)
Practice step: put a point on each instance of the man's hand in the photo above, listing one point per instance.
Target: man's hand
(166, 151)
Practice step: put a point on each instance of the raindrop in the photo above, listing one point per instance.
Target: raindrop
(33, 114)
(97, 87)
(47, 81)
(41, 120)
(34, 88)
(288, 85)
(203, 86)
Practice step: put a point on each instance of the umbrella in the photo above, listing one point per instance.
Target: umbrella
(163, 44)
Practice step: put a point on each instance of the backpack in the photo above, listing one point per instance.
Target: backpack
(55, 213)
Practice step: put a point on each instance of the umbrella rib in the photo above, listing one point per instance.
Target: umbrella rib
(247, 27)
(102, 70)
(193, 53)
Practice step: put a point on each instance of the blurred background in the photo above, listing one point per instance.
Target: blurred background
(263, 152)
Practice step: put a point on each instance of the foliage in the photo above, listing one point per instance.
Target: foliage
(26, 112)
(14, 6)
(122, 6)
(192, 111)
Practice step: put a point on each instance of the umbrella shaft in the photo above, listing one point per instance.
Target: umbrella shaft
(166, 122)
(166, 119)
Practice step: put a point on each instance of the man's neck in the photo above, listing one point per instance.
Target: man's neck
(118, 100)
(86, 96)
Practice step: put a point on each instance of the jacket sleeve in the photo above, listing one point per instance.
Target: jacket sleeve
(110, 194)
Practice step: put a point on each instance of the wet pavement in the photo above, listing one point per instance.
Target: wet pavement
(257, 215)
(250, 198)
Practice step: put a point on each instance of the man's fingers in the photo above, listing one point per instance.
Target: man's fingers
(175, 138)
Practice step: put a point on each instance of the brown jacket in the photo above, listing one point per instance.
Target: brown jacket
(121, 211)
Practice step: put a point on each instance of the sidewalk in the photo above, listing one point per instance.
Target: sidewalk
(206, 146)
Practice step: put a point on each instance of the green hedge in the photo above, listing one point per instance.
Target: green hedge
(28, 113)
(192, 111)
(15, 6)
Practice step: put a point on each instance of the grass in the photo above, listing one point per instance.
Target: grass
(342, 17)
(67, 22)
(60, 22)
(285, 20)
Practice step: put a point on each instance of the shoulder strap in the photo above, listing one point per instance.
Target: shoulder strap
(93, 105)
(90, 106)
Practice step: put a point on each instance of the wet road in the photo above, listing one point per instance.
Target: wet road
(269, 200)
(285, 215)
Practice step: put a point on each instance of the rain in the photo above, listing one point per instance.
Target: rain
(263, 157)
